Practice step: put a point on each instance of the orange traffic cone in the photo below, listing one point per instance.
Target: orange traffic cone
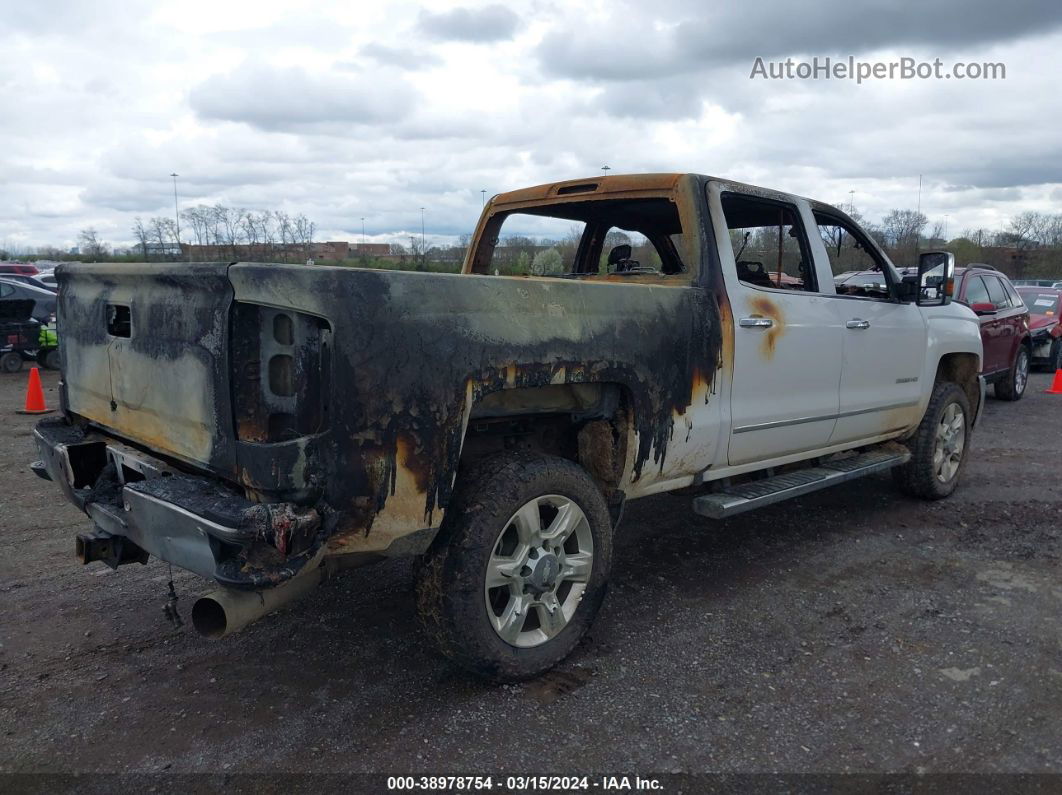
(1056, 385)
(35, 395)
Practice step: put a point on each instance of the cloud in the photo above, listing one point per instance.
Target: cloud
(340, 112)
(486, 24)
(401, 58)
(290, 98)
(680, 38)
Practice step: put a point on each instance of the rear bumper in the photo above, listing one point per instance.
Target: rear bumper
(140, 504)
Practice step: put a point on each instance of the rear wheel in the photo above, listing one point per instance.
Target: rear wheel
(49, 358)
(10, 362)
(939, 446)
(1012, 387)
(519, 568)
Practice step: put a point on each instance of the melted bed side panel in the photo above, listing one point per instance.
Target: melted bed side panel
(413, 351)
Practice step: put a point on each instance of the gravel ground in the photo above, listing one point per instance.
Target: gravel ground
(851, 630)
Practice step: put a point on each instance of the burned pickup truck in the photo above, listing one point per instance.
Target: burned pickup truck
(264, 425)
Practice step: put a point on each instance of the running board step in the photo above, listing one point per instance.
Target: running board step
(757, 493)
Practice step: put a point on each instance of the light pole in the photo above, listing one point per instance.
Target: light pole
(851, 202)
(945, 229)
(176, 215)
(422, 251)
(363, 232)
(483, 193)
(605, 170)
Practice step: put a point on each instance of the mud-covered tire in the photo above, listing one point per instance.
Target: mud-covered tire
(11, 362)
(450, 579)
(1012, 385)
(919, 476)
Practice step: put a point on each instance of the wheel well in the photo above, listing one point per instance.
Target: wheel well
(585, 423)
(961, 369)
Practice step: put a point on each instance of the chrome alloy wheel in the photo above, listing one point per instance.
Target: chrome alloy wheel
(950, 441)
(538, 570)
(1021, 371)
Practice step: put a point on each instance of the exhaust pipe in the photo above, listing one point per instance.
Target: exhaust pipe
(225, 611)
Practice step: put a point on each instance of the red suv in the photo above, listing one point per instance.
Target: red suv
(1004, 327)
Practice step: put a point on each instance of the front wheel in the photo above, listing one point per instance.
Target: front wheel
(519, 568)
(939, 447)
(1012, 387)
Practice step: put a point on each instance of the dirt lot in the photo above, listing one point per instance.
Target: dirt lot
(853, 630)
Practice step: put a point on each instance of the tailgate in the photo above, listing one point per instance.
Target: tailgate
(145, 355)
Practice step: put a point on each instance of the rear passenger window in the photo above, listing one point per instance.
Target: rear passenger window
(1015, 299)
(996, 294)
(976, 293)
(770, 247)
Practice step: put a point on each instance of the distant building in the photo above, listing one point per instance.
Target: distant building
(369, 250)
(163, 250)
(327, 250)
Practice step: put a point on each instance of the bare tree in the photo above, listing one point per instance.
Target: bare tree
(903, 228)
(163, 233)
(197, 219)
(90, 243)
(304, 232)
(143, 236)
(249, 228)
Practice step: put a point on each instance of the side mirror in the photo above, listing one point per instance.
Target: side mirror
(983, 308)
(936, 278)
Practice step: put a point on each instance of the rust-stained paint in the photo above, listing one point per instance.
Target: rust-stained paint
(763, 306)
(602, 186)
(726, 321)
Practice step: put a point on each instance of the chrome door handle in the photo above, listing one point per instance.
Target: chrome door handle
(857, 323)
(755, 322)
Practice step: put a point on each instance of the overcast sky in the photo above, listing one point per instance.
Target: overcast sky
(344, 110)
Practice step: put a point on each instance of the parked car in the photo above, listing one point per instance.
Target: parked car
(48, 278)
(262, 425)
(1004, 320)
(18, 267)
(864, 283)
(1057, 285)
(32, 281)
(1033, 282)
(1045, 332)
(43, 300)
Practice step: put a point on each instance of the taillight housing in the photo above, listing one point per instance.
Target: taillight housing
(281, 373)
